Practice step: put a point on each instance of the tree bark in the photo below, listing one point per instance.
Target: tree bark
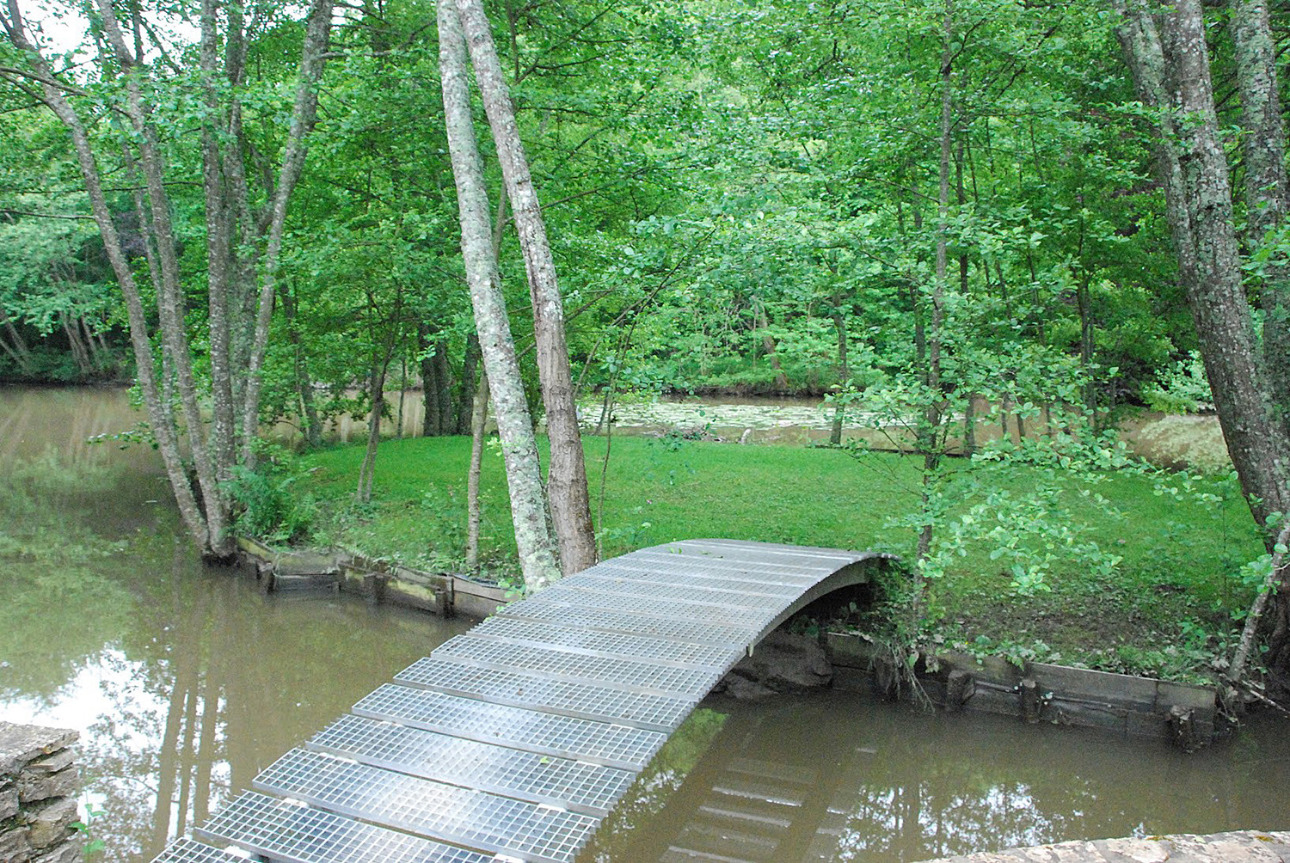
(478, 421)
(1171, 72)
(300, 362)
(443, 388)
(219, 255)
(567, 476)
(376, 395)
(431, 421)
(466, 390)
(1263, 150)
(844, 370)
(14, 344)
(514, 424)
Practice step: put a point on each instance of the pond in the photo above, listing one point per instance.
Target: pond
(184, 682)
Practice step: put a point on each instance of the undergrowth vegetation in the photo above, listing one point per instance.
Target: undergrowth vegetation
(1127, 569)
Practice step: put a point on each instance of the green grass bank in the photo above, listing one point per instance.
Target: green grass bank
(1141, 572)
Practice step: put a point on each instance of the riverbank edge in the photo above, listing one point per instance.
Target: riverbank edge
(1238, 846)
(1034, 692)
(443, 593)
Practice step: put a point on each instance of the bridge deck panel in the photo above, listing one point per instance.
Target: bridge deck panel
(431, 809)
(530, 776)
(604, 644)
(568, 611)
(642, 709)
(301, 834)
(547, 733)
(632, 675)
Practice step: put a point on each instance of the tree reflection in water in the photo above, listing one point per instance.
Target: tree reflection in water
(836, 777)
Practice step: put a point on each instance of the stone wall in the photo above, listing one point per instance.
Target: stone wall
(38, 787)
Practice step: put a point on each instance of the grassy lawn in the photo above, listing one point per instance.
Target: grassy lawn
(1165, 609)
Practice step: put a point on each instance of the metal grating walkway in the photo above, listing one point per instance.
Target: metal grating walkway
(513, 741)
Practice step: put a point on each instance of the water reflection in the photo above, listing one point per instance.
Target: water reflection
(183, 681)
(837, 778)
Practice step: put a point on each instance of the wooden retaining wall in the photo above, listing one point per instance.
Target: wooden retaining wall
(1038, 692)
(441, 593)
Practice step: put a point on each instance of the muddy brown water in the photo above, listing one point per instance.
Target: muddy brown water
(184, 682)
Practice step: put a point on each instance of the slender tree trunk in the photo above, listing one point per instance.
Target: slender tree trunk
(304, 383)
(844, 370)
(219, 255)
(933, 411)
(431, 422)
(466, 391)
(376, 390)
(478, 421)
(313, 58)
(1263, 149)
(514, 424)
(768, 347)
(443, 388)
(14, 344)
(80, 356)
(567, 476)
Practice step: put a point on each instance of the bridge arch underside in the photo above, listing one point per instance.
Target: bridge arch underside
(514, 740)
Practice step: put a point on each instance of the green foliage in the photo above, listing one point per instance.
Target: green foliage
(1181, 388)
(269, 506)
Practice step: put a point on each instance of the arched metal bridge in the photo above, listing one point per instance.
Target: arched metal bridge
(514, 740)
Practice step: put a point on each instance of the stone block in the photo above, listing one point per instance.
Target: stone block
(51, 822)
(39, 786)
(70, 851)
(21, 744)
(15, 845)
(8, 801)
(51, 763)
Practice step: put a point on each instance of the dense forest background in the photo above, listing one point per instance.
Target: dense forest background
(741, 197)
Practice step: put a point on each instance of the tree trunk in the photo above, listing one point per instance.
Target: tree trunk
(158, 414)
(14, 345)
(443, 386)
(844, 371)
(514, 424)
(478, 421)
(1263, 149)
(567, 476)
(1171, 71)
(376, 390)
(466, 390)
(768, 347)
(431, 421)
(219, 256)
(313, 58)
(304, 383)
